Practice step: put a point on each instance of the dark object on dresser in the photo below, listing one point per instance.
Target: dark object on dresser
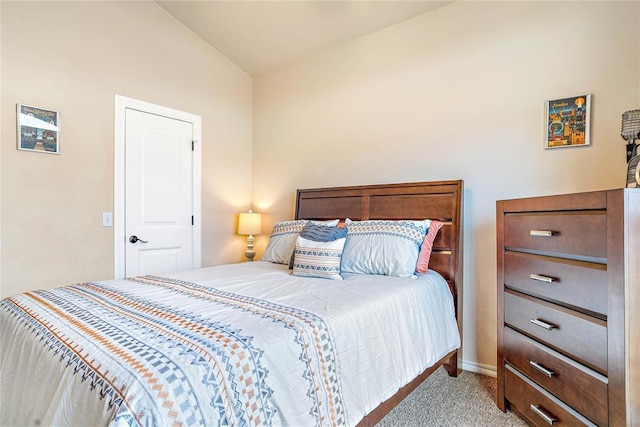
(568, 301)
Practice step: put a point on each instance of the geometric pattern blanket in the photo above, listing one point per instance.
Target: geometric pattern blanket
(175, 353)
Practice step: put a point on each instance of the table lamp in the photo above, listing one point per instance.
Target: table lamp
(630, 133)
(249, 224)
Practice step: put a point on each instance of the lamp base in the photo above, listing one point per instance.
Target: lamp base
(250, 253)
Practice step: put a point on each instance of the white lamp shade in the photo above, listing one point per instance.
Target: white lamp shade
(249, 223)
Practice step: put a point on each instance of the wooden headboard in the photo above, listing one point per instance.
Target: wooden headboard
(440, 200)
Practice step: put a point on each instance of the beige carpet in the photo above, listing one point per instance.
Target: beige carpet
(469, 400)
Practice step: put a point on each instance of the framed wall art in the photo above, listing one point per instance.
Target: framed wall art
(38, 129)
(568, 122)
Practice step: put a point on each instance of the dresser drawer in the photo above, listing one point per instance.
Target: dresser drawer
(537, 406)
(581, 337)
(577, 283)
(575, 233)
(579, 387)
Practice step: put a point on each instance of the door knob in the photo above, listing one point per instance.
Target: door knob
(134, 239)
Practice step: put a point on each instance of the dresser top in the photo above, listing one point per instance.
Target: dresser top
(571, 201)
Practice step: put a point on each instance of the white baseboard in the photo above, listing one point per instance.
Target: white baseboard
(479, 368)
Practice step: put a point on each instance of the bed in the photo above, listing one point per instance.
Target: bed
(244, 344)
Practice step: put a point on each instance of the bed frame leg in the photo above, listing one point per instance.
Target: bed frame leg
(452, 365)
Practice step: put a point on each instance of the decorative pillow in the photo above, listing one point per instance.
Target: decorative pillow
(319, 232)
(383, 247)
(318, 259)
(283, 239)
(427, 245)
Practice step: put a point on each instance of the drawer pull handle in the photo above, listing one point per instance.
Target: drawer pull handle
(541, 233)
(542, 324)
(549, 419)
(541, 278)
(541, 368)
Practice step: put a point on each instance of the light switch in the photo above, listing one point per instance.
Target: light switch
(107, 219)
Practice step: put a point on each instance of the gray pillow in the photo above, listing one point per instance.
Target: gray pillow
(321, 233)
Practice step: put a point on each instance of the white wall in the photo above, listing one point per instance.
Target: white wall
(74, 57)
(456, 93)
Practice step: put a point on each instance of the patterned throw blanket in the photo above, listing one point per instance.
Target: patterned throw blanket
(166, 352)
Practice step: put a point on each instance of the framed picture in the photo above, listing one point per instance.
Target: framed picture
(568, 122)
(38, 129)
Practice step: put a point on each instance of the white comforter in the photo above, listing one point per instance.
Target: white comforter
(239, 344)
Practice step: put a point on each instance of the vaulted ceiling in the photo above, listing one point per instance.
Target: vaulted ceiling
(260, 36)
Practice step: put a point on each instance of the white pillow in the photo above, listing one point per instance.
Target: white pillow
(383, 247)
(283, 239)
(318, 259)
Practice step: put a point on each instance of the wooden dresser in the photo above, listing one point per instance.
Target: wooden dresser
(568, 308)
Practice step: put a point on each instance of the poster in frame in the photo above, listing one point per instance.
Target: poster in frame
(568, 122)
(38, 129)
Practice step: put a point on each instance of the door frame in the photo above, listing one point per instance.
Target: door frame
(122, 103)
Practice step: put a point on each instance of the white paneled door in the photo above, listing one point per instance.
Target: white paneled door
(159, 194)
